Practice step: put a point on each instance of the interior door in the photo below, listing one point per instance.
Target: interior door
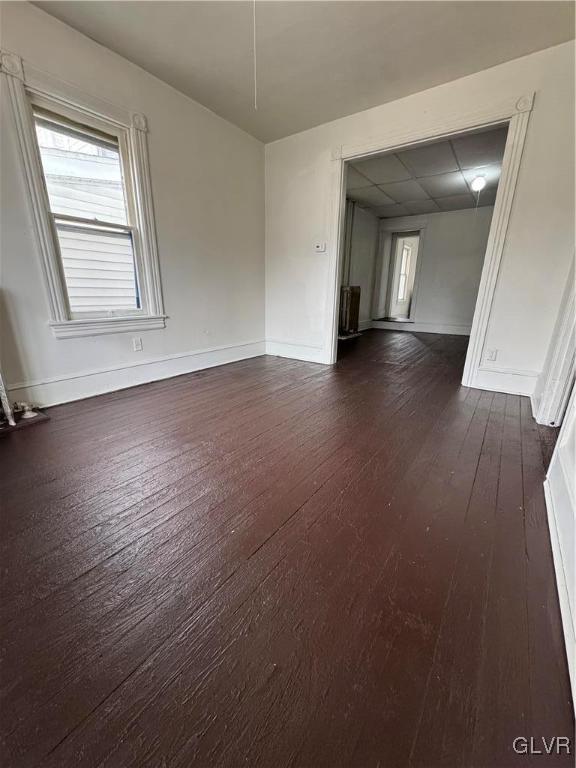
(405, 254)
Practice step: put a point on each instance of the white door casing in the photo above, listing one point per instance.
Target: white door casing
(515, 112)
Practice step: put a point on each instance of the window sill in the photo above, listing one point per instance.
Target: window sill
(96, 326)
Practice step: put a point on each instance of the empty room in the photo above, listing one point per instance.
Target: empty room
(416, 230)
(287, 363)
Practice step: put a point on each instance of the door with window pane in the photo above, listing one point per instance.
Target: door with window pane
(84, 180)
(403, 272)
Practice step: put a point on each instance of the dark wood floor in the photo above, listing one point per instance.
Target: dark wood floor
(276, 563)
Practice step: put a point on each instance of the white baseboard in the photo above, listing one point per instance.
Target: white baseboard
(77, 386)
(456, 330)
(508, 381)
(297, 351)
(364, 325)
(566, 613)
(495, 379)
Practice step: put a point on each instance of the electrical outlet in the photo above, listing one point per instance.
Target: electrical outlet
(320, 247)
(137, 344)
(491, 355)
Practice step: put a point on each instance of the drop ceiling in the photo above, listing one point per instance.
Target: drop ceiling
(430, 178)
(317, 61)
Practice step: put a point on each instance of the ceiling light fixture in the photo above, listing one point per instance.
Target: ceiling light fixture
(478, 183)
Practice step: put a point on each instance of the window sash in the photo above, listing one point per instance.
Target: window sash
(53, 121)
(118, 143)
(81, 221)
(404, 271)
(89, 226)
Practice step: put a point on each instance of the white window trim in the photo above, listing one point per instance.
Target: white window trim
(30, 85)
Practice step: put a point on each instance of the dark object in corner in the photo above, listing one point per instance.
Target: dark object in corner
(349, 310)
(21, 423)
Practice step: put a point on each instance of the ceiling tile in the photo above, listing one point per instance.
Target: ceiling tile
(421, 206)
(355, 180)
(480, 148)
(490, 172)
(456, 202)
(430, 160)
(391, 211)
(370, 195)
(383, 170)
(401, 191)
(445, 184)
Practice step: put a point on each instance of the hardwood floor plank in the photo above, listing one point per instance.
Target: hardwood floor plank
(276, 563)
(449, 706)
(299, 501)
(178, 480)
(242, 582)
(505, 641)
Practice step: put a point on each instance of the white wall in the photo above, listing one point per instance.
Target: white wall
(363, 247)
(207, 178)
(540, 238)
(450, 259)
(208, 188)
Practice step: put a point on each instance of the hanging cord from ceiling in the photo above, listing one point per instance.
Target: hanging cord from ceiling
(478, 184)
(255, 60)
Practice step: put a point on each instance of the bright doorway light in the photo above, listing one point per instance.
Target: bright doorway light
(478, 183)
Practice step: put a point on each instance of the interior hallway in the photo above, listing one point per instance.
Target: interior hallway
(276, 563)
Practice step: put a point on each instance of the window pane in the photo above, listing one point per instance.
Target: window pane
(99, 269)
(83, 176)
(401, 288)
(403, 267)
(405, 264)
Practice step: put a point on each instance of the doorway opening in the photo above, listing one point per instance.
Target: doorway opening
(401, 274)
(415, 234)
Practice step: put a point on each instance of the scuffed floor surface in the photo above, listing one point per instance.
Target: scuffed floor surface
(275, 563)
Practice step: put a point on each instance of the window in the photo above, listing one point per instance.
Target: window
(400, 275)
(87, 196)
(88, 181)
(404, 273)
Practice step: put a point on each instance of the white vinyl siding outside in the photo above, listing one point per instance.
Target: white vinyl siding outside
(99, 269)
(75, 197)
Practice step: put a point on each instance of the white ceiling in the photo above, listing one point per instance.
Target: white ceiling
(430, 178)
(317, 61)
